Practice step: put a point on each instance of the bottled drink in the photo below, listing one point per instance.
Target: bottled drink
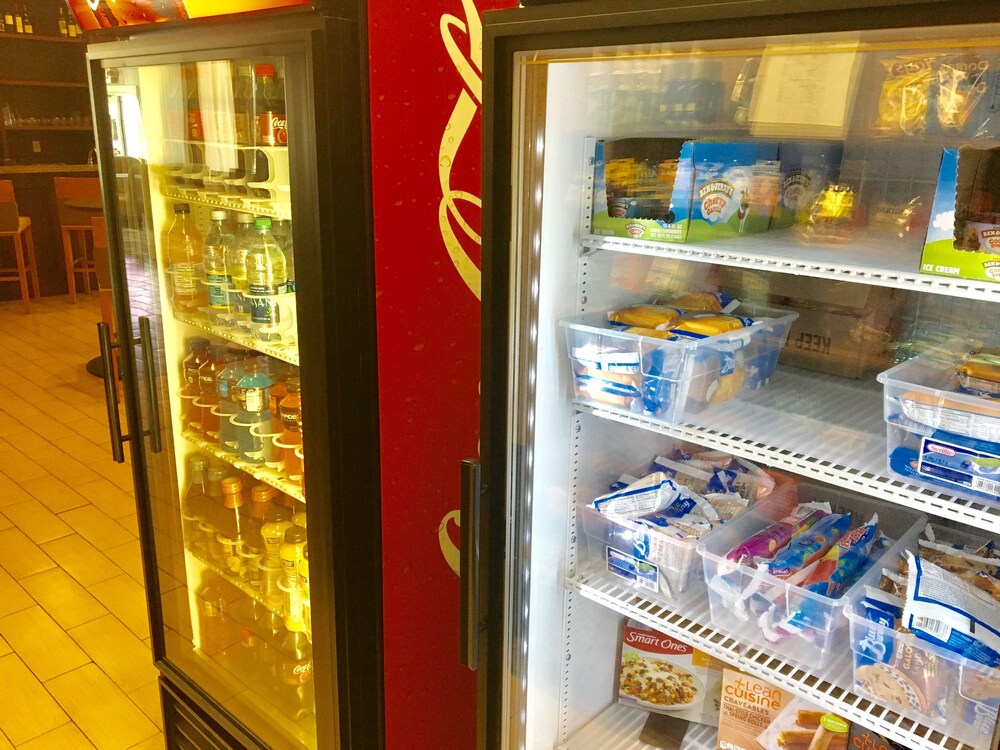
(29, 27)
(74, 30)
(208, 393)
(195, 506)
(8, 19)
(243, 106)
(291, 554)
(299, 519)
(304, 582)
(226, 385)
(261, 496)
(216, 630)
(236, 267)
(18, 21)
(252, 403)
(295, 670)
(252, 554)
(280, 372)
(216, 276)
(266, 279)
(291, 430)
(195, 131)
(184, 260)
(191, 414)
(230, 533)
(270, 109)
(282, 231)
(63, 28)
(209, 527)
(276, 523)
(250, 655)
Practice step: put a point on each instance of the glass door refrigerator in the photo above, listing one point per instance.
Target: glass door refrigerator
(739, 314)
(240, 232)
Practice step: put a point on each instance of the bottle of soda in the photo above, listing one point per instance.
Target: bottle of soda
(191, 414)
(272, 128)
(282, 231)
(195, 130)
(295, 668)
(216, 276)
(226, 385)
(195, 506)
(243, 106)
(266, 279)
(208, 393)
(291, 430)
(236, 267)
(252, 401)
(230, 533)
(184, 260)
(250, 656)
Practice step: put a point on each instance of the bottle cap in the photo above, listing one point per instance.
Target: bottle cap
(264, 70)
(182, 208)
(216, 474)
(244, 218)
(262, 222)
(198, 463)
(199, 344)
(262, 493)
(277, 514)
(295, 535)
(231, 489)
(219, 214)
(293, 385)
(299, 519)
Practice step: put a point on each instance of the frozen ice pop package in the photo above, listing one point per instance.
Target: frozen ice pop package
(805, 547)
(766, 543)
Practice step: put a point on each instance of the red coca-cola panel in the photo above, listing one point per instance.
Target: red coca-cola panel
(426, 93)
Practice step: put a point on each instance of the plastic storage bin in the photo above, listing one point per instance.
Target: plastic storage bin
(936, 437)
(747, 604)
(671, 380)
(922, 681)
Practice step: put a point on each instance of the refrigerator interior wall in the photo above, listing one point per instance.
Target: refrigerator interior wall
(570, 644)
(222, 604)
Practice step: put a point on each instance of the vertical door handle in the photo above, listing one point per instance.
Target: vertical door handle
(146, 344)
(469, 562)
(111, 392)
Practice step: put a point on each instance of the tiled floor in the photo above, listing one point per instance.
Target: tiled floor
(75, 664)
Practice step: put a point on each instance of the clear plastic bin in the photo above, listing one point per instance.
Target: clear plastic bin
(748, 604)
(670, 380)
(922, 681)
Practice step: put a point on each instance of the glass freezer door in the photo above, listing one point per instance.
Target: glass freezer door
(205, 212)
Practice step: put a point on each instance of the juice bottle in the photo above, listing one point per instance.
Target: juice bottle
(252, 396)
(236, 268)
(184, 260)
(197, 356)
(304, 581)
(209, 527)
(280, 372)
(291, 554)
(266, 279)
(291, 430)
(261, 496)
(225, 384)
(216, 630)
(195, 506)
(252, 553)
(208, 392)
(276, 523)
(231, 526)
(216, 275)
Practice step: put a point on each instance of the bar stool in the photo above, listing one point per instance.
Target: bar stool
(78, 199)
(18, 229)
(102, 266)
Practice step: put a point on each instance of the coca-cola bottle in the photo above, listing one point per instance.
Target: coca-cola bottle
(270, 108)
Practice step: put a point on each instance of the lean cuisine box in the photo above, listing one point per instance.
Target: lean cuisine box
(672, 190)
(963, 237)
(661, 674)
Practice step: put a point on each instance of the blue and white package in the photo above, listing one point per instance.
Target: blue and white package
(649, 495)
(943, 609)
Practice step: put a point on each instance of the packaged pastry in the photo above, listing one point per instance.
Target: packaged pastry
(652, 333)
(765, 543)
(657, 317)
(906, 90)
(712, 302)
(696, 325)
(614, 388)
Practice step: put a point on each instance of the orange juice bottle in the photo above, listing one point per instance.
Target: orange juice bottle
(184, 261)
(291, 430)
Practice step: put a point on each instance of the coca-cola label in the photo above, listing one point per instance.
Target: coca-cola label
(296, 673)
(272, 129)
(194, 128)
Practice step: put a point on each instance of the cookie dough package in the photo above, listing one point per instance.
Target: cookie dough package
(664, 675)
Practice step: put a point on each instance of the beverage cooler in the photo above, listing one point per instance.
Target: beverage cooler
(232, 155)
(739, 343)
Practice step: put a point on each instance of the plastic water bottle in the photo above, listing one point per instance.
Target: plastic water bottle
(216, 276)
(266, 279)
(237, 269)
(282, 231)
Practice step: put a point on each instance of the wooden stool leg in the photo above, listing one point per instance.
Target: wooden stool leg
(32, 266)
(22, 274)
(68, 256)
(84, 262)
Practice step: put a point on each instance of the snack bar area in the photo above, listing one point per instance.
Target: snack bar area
(778, 373)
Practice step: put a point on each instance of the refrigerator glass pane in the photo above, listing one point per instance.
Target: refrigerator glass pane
(794, 173)
(206, 207)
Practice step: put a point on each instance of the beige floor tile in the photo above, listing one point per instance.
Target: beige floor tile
(21, 557)
(68, 469)
(123, 657)
(158, 742)
(32, 444)
(97, 527)
(5, 743)
(28, 710)
(130, 522)
(22, 469)
(126, 599)
(147, 698)
(5, 523)
(105, 714)
(13, 598)
(66, 601)
(128, 557)
(42, 645)
(37, 522)
(11, 492)
(11, 426)
(108, 496)
(80, 559)
(118, 474)
(54, 494)
(4, 647)
(66, 737)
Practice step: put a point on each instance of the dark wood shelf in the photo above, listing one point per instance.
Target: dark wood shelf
(56, 84)
(41, 38)
(80, 128)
